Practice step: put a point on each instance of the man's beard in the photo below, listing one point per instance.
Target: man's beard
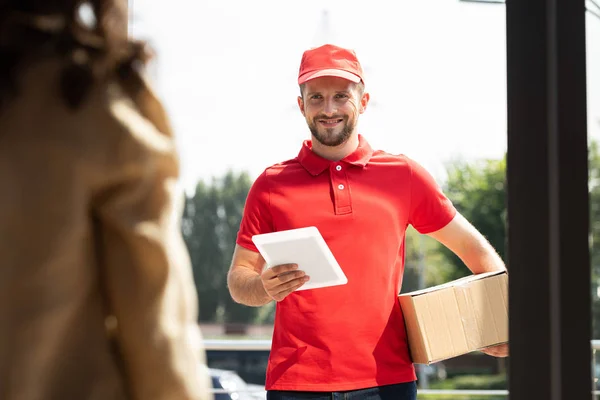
(329, 138)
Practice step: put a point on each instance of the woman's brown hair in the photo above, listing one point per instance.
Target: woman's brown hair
(32, 30)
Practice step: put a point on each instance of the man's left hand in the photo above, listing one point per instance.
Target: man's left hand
(500, 350)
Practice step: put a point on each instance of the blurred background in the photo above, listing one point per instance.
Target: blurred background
(436, 72)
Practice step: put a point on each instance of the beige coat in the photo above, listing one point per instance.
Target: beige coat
(96, 293)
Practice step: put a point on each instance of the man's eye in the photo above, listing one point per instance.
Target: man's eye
(316, 97)
(341, 96)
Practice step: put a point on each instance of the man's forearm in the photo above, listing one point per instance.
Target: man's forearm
(484, 258)
(246, 287)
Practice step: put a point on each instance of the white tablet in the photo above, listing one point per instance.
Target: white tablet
(305, 247)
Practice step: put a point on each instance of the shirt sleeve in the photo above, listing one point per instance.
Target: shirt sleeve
(257, 217)
(430, 209)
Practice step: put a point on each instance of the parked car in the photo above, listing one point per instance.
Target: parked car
(230, 386)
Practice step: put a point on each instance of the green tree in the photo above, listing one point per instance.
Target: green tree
(478, 191)
(234, 190)
(424, 264)
(200, 222)
(210, 224)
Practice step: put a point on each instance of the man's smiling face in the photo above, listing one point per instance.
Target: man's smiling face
(331, 106)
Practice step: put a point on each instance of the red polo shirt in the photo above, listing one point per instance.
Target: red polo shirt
(350, 336)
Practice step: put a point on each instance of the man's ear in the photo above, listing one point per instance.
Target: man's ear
(301, 104)
(364, 101)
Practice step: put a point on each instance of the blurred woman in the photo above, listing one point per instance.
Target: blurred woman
(97, 299)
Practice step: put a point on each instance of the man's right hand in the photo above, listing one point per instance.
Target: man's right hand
(281, 280)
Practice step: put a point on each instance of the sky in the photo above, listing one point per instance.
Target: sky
(226, 71)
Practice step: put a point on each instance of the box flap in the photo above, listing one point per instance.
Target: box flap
(457, 282)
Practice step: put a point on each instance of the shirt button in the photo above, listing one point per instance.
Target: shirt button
(341, 187)
(338, 168)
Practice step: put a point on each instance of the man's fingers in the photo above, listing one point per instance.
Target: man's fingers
(289, 287)
(497, 351)
(281, 280)
(288, 276)
(272, 272)
(275, 286)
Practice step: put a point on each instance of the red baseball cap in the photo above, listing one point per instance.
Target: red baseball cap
(330, 60)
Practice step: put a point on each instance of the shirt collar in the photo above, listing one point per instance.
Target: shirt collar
(316, 164)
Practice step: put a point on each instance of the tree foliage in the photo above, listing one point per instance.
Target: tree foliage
(210, 224)
(478, 191)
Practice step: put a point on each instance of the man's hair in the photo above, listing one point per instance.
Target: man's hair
(34, 30)
(360, 86)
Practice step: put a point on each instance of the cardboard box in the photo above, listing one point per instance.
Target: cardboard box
(457, 317)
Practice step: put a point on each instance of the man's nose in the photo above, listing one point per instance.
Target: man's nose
(329, 107)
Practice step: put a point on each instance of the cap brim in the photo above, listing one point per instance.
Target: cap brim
(329, 72)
